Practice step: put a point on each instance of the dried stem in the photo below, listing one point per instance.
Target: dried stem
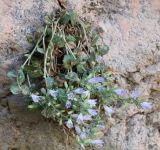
(50, 43)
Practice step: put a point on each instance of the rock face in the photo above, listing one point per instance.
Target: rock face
(132, 30)
(138, 130)
(23, 130)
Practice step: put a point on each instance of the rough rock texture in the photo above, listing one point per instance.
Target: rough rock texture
(138, 130)
(23, 130)
(132, 30)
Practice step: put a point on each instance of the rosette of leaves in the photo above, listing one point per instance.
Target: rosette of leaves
(65, 77)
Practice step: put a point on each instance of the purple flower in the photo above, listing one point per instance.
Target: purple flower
(69, 124)
(70, 96)
(80, 119)
(87, 117)
(53, 93)
(35, 98)
(97, 143)
(92, 112)
(92, 102)
(134, 94)
(83, 135)
(120, 92)
(108, 110)
(78, 130)
(79, 91)
(86, 93)
(100, 60)
(146, 105)
(96, 80)
(68, 104)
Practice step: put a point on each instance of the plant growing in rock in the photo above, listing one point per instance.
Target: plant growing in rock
(66, 78)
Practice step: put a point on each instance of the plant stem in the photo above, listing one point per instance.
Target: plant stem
(29, 83)
(44, 47)
(35, 48)
(46, 54)
(67, 46)
(85, 35)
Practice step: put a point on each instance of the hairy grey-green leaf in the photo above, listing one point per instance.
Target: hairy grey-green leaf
(10, 74)
(21, 76)
(49, 82)
(41, 50)
(25, 89)
(15, 89)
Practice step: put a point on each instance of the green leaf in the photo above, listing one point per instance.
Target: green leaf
(30, 39)
(87, 141)
(33, 106)
(72, 76)
(70, 38)
(41, 50)
(36, 62)
(60, 122)
(25, 89)
(69, 61)
(26, 55)
(15, 89)
(49, 31)
(65, 18)
(83, 59)
(95, 38)
(10, 74)
(104, 50)
(48, 20)
(73, 17)
(33, 71)
(92, 56)
(21, 76)
(70, 16)
(65, 85)
(70, 112)
(49, 82)
(58, 41)
(81, 68)
(43, 90)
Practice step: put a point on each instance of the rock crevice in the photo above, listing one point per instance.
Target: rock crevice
(132, 30)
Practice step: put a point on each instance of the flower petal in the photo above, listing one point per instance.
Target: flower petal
(120, 92)
(80, 119)
(92, 112)
(108, 110)
(146, 105)
(53, 93)
(96, 80)
(92, 102)
(97, 143)
(69, 124)
(35, 98)
(68, 104)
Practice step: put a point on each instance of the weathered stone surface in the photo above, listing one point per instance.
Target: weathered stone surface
(16, 103)
(138, 131)
(20, 18)
(131, 29)
(29, 131)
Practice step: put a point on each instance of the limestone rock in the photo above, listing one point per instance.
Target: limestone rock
(130, 28)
